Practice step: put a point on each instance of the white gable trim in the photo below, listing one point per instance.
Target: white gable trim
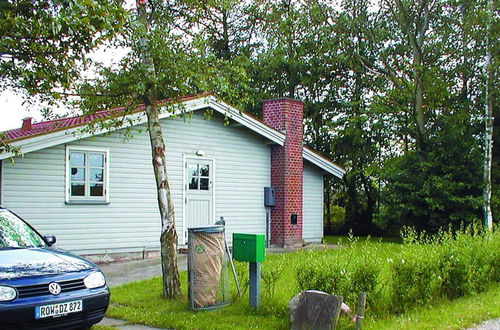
(323, 163)
(71, 134)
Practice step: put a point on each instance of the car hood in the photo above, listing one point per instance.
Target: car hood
(17, 263)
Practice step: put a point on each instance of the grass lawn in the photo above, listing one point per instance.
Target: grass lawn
(141, 302)
(457, 314)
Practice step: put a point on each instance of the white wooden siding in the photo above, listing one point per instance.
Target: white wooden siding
(312, 226)
(34, 186)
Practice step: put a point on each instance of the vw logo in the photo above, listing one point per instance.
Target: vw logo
(54, 288)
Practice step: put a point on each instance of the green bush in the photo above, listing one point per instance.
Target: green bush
(271, 273)
(414, 278)
(448, 265)
(356, 272)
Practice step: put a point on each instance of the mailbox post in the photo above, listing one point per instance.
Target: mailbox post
(251, 248)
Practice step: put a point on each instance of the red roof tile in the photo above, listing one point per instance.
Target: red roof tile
(51, 126)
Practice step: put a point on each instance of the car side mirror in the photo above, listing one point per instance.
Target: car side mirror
(50, 239)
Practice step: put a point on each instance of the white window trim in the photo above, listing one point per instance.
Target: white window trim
(86, 200)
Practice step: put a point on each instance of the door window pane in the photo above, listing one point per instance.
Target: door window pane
(193, 169)
(96, 160)
(77, 158)
(96, 189)
(77, 189)
(96, 174)
(194, 183)
(204, 184)
(77, 174)
(204, 170)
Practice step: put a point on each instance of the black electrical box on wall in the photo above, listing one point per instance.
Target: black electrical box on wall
(293, 219)
(269, 196)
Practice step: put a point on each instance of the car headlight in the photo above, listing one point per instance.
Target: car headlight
(94, 280)
(7, 293)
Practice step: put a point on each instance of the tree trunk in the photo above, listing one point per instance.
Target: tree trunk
(488, 134)
(416, 36)
(168, 237)
(419, 102)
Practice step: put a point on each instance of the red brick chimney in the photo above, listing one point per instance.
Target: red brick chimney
(285, 115)
(27, 124)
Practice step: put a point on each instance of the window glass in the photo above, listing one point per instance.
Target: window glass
(204, 184)
(96, 160)
(78, 174)
(96, 174)
(77, 189)
(96, 189)
(193, 169)
(194, 183)
(14, 233)
(204, 170)
(77, 158)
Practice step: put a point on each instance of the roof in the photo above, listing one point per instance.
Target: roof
(50, 126)
(53, 132)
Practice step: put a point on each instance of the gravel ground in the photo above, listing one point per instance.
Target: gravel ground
(488, 325)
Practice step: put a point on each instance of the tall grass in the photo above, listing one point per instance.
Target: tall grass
(399, 277)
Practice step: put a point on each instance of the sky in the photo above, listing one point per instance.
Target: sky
(12, 110)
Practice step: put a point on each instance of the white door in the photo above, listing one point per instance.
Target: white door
(198, 187)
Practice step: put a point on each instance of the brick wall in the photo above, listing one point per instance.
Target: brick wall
(286, 115)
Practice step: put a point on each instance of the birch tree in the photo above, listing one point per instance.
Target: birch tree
(168, 236)
(488, 121)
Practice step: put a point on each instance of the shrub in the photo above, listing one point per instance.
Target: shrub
(414, 277)
(449, 265)
(271, 273)
(346, 276)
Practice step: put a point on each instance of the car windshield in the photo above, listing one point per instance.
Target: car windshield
(15, 233)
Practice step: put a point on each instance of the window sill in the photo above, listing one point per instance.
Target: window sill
(86, 202)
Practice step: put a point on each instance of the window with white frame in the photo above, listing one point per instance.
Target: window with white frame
(87, 175)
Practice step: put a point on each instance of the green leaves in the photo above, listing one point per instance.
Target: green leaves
(42, 43)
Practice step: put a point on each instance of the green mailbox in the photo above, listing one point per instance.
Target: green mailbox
(249, 247)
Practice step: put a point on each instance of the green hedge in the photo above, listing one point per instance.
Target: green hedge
(448, 265)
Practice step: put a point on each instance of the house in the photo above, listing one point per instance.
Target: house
(96, 191)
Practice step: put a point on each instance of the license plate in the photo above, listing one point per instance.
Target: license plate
(58, 309)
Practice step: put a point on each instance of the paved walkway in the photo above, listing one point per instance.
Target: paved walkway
(488, 325)
(119, 273)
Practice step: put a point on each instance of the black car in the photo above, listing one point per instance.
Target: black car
(43, 287)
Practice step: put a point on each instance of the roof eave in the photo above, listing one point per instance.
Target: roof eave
(323, 163)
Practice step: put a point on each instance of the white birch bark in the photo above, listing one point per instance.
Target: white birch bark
(168, 237)
(488, 121)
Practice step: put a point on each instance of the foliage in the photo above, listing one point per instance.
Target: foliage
(449, 265)
(443, 190)
(271, 273)
(357, 270)
(334, 219)
(43, 44)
